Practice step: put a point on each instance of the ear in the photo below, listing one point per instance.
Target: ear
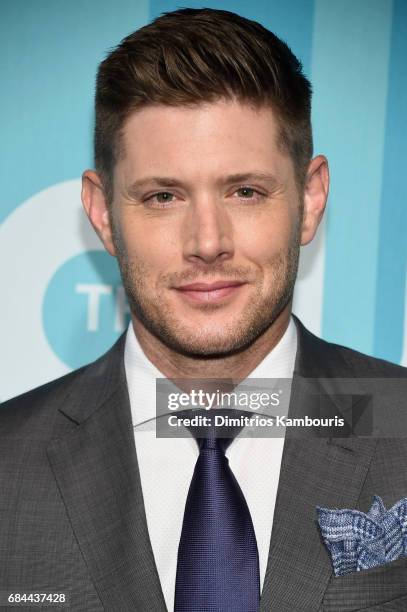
(315, 197)
(95, 204)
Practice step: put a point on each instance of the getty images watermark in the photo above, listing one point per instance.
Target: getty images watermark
(270, 407)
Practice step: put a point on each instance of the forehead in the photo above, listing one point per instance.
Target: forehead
(202, 137)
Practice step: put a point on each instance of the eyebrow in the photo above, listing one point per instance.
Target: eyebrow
(169, 181)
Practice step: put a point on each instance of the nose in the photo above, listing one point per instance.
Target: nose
(207, 232)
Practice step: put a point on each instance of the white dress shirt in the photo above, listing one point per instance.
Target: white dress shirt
(166, 464)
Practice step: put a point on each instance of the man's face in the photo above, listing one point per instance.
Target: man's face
(208, 258)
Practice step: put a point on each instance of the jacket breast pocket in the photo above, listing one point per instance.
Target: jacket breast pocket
(367, 589)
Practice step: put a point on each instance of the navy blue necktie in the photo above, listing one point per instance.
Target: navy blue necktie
(218, 563)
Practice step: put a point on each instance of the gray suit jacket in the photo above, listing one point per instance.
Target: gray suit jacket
(72, 516)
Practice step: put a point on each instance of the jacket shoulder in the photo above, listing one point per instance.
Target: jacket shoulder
(41, 401)
(367, 363)
(81, 384)
(317, 356)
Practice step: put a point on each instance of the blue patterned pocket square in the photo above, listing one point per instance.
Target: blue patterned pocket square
(359, 541)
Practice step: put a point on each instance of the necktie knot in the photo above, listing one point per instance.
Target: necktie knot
(219, 444)
(222, 425)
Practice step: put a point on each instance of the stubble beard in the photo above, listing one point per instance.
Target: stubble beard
(239, 333)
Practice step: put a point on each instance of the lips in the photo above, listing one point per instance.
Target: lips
(210, 292)
(209, 286)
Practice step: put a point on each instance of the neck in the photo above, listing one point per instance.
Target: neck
(238, 366)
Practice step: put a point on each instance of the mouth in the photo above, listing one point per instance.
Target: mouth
(205, 293)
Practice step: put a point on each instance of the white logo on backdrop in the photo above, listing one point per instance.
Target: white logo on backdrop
(41, 234)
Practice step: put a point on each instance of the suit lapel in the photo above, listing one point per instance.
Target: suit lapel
(95, 466)
(314, 472)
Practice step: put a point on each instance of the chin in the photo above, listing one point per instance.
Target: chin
(209, 343)
(210, 348)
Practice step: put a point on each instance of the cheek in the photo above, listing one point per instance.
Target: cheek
(154, 247)
(262, 241)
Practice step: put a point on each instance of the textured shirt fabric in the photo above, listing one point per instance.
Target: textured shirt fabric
(166, 464)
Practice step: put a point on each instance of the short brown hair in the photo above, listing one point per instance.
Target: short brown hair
(191, 56)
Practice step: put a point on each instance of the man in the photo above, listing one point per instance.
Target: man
(204, 189)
